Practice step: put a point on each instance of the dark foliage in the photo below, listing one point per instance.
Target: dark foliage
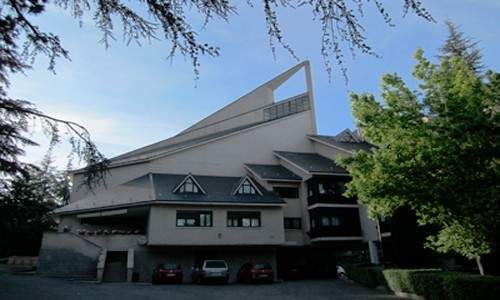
(434, 284)
(367, 275)
(26, 200)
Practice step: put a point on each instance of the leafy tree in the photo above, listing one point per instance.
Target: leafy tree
(21, 41)
(437, 152)
(25, 203)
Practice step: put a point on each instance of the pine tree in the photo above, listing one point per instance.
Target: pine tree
(458, 45)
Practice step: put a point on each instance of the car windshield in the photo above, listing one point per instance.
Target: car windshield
(168, 266)
(262, 266)
(215, 264)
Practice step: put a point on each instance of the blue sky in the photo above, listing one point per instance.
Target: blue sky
(129, 96)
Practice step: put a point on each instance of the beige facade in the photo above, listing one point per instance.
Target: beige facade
(245, 139)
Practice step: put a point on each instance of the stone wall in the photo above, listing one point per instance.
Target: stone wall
(67, 255)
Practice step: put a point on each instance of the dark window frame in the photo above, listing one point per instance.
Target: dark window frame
(196, 215)
(292, 223)
(285, 192)
(236, 219)
(189, 186)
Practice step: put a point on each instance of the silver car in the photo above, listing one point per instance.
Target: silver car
(211, 270)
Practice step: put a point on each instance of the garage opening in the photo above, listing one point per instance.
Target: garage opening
(115, 269)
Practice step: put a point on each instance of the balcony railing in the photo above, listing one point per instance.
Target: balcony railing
(287, 107)
(341, 231)
(330, 199)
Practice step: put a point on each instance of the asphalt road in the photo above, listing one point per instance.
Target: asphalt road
(21, 287)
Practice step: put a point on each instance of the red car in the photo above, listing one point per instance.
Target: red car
(253, 272)
(167, 272)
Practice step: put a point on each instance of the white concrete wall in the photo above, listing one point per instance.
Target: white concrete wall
(137, 190)
(114, 177)
(227, 156)
(163, 230)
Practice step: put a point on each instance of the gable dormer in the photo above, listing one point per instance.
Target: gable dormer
(189, 186)
(247, 187)
(347, 136)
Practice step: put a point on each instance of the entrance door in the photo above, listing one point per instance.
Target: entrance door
(115, 269)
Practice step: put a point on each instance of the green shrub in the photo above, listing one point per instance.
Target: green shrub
(367, 275)
(433, 284)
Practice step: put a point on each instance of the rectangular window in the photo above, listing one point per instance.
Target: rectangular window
(243, 219)
(293, 223)
(330, 221)
(326, 188)
(187, 218)
(287, 192)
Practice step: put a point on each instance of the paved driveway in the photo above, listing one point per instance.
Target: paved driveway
(21, 287)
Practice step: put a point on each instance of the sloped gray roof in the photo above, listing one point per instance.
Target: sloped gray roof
(312, 162)
(335, 141)
(273, 172)
(218, 189)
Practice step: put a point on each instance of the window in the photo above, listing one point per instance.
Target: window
(330, 221)
(189, 186)
(194, 218)
(216, 264)
(326, 189)
(293, 223)
(287, 192)
(243, 219)
(340, 187)
(247, 188)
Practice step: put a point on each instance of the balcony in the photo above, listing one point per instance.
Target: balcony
(328, 190)
(335, 223)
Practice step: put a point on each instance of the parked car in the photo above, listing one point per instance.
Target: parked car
(254, 272)
(211, 270)
(167, 272)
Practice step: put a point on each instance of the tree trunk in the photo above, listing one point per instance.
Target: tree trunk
(479, 265)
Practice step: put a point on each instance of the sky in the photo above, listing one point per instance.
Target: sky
(132, 95)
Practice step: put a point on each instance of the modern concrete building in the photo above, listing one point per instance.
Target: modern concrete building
(251, 182)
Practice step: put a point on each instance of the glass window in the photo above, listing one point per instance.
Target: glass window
(326, 188)
(330, 221)
(321, 189)
(287, 192)
(189, 186)
(243, 219)
(246, 188)
(293, 223)
(186, 218)
(340, 187)
(216, 264)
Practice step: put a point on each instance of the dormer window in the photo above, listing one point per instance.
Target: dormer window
(189, 186)
(247, 187)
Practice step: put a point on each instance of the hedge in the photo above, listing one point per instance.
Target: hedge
(429, 283)
(433, 284)
(368, 275)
